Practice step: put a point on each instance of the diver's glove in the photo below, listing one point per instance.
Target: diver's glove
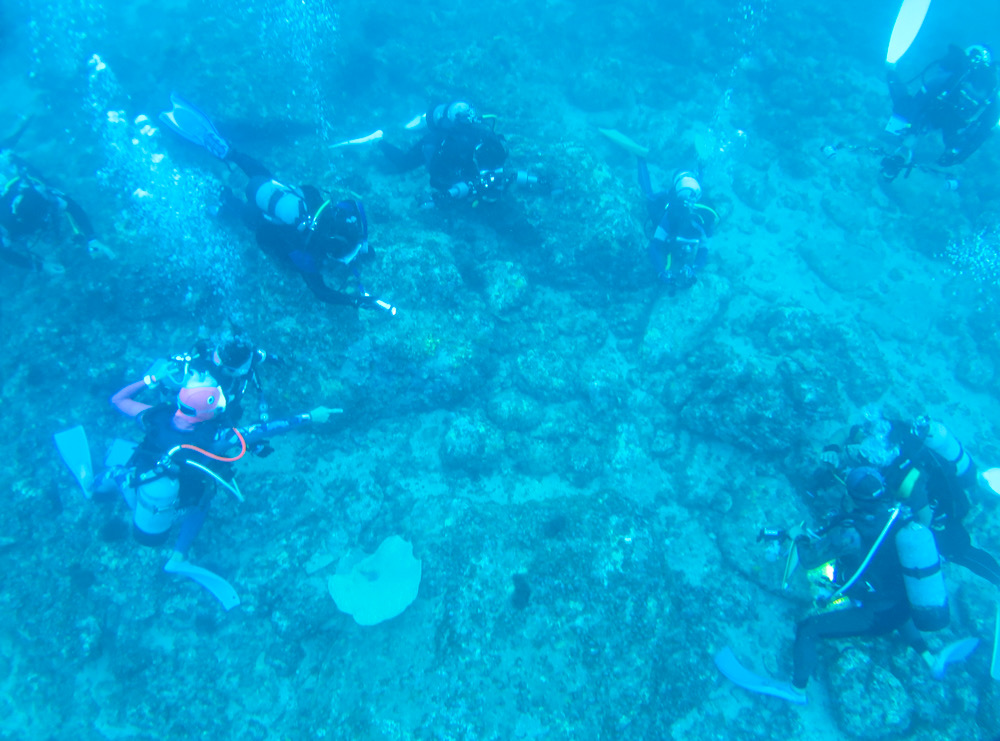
(830, 456)
(366, 302)
(949, 158)
(319, 415)
(686, 277)
(96, 246)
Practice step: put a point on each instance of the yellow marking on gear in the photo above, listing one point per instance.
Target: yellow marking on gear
(906, 488)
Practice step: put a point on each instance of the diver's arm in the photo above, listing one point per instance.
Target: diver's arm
(259, 433)
(25, 260)
(961, 144)
(83, 230)
(838, 542)
(326, 294)
(124, 402)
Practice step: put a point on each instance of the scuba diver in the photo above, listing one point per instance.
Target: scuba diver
(31, 209)
(185, 448)
(875, 570)
(683, 226)
(958, 96)
(232, 361)
(463, 155)
(926, 468)
(295, 225)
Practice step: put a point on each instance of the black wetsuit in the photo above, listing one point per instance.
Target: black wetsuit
(161, 437)
(879, 601)
(956, 98)
(677, 250)
(455, 155)
(30, 209)
(321, 231)
(214, 436)
(921, 478)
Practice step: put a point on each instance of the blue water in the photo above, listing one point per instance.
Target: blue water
(581, 461)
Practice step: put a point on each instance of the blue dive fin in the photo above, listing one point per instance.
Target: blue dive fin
(187, 120)
(75, 451)
(736, 673)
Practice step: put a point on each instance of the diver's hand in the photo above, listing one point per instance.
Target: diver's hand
(96, 246)
(686, 277)
(319, 415)
(366, 302)
(830, 458)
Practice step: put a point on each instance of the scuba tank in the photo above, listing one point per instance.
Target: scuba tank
(925, 589)
(947, 446)
(280, 204)
(155, 507)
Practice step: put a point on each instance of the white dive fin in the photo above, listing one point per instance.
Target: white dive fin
(214, 583)
(995, 664)
(738, 674)
(119, 453)
(75, 451)
(416, 123)
(908, 22)
(951, 654)
(372, 137)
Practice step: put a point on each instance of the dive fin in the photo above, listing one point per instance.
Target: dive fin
(953, 652)
(75, 451)
(736, 673)
(791, 563)
(11, 140)
(625, 143)
(995, 663)
(373, 137)
(417, 123)
(188, 121)
(214, 583)
(119, 453)
(907, 26)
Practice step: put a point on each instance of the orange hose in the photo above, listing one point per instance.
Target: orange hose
(215, 457)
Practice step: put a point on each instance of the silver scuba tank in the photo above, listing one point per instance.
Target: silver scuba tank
(925, 587)
(156, 505)
(948, 447)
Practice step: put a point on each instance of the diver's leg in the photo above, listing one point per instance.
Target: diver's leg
(251, 167)
(856, 621)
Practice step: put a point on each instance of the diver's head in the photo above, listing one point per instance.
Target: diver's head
(200, 400)
(233, 356)
(686, 186)
(979, 56)
(344, 227)
(490, 153)
(866, 486)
